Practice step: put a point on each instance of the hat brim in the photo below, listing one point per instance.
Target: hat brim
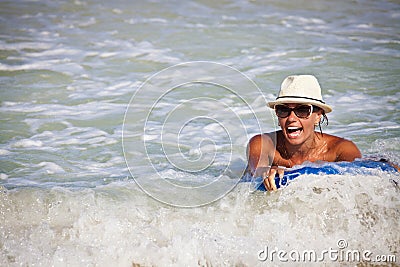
(289, 100)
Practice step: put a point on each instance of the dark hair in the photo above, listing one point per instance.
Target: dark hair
(323, 120)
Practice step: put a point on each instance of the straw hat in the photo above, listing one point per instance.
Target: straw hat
(302, 89)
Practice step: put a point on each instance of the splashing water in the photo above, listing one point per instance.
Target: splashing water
(73, 72)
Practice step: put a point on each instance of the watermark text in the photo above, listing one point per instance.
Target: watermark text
(339, 254)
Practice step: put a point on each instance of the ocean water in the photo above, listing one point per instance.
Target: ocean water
(123, 129)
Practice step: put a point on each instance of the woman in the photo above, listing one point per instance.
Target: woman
(299, 108)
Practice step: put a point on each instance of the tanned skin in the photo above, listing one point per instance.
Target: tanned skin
(288, 147)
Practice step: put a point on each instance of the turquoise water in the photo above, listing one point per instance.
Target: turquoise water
(92, 101)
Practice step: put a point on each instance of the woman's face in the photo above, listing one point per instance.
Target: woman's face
(298, 130)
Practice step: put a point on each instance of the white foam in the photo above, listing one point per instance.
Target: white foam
(62, 65)
(28, 143)
(51, 167)
(305, 21)
(25, 45)
(119, 224)
(64, 191)
(4, 152)
(64, 52)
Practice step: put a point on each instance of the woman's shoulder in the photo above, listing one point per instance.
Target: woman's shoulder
(344, 149)
(266, 136)
(334, 140)
(258, 139)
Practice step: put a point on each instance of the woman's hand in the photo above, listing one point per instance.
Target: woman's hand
(269, 177)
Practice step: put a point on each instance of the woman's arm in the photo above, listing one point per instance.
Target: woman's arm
(260, 153)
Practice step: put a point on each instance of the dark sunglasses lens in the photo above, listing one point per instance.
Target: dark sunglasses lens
(282, 111)
(303, 111)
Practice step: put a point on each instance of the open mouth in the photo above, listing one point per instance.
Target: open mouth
(294, 132)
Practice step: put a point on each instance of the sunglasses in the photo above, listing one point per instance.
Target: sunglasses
(302, 111)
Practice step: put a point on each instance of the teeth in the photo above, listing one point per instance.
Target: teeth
(292, 129)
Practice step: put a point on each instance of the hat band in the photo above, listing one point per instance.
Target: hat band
(309, 98)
